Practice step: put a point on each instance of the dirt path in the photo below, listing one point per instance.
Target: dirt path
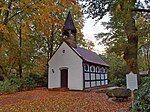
(42, 100)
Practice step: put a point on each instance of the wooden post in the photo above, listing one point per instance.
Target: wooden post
(132, 97)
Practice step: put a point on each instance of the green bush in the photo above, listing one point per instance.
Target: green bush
(119, 82)
(17, 84)
(24, 83)
(41, 80)
(7, 87)
(28, 83)
(142, 97)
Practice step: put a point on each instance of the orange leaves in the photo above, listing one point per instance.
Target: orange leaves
(42, 100)
(68, 2)
(41, 22)
(3, 28)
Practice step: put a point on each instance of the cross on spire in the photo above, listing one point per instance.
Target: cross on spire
(69, 27)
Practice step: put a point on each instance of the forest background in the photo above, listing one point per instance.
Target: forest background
(31, 31)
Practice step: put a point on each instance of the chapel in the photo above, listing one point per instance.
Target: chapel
(74, 67)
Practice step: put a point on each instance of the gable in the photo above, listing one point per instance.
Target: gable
(80, 53)
(64, 51)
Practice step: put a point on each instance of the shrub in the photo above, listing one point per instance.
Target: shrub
(24, 83)
(142, 97)
(119, 82)
(17, 84)
(28, 83)
(7, 87)
(41, 80)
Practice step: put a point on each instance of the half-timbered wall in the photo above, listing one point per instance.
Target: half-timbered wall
(94, 75)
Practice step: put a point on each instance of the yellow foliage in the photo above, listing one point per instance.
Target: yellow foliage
(39, 18)
(118, 8)
(3, 28)
(3, 9)
(40, 66)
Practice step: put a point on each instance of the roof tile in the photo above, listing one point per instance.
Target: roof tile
(89, 56)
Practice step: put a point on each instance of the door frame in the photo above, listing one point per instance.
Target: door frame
(64, 68)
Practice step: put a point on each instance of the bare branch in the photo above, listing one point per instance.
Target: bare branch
(141, 10)
(26, 7)
(15, 15)
(7, 12)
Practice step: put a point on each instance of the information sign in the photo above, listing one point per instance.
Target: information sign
(131, 80)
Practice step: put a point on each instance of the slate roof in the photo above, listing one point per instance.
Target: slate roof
(89, 56)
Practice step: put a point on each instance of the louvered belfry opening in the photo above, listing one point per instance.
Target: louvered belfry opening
(69, 30)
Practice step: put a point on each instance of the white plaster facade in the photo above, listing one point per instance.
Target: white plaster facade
(65, 57)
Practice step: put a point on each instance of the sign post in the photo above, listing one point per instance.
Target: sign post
(131, 80)
(132, 97)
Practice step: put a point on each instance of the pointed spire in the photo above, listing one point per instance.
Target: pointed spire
(69, 27)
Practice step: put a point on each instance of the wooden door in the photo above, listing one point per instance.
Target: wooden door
(64, 78)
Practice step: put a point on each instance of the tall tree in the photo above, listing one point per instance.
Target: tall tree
(31, 32)
(123, 16)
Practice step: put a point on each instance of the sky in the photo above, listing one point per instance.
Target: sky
(90, 28)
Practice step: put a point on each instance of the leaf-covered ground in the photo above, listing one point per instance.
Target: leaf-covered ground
(42, 100)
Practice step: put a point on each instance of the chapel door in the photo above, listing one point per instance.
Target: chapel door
(64, 78)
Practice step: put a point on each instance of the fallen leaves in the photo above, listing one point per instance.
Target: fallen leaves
(42, 100)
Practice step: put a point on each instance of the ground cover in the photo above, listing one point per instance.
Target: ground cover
(42, 100)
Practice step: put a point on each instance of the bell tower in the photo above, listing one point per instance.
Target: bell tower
(69, 28)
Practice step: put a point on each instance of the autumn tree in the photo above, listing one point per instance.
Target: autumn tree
(49, 34)
(30, 31)
(123, 24)
(12, 13)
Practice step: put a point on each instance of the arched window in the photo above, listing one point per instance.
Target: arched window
(92, 68)
(106, 70)
(86, 67)
(97, 69)
(102, 70)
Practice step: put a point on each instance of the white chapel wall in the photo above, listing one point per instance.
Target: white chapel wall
(70, 60)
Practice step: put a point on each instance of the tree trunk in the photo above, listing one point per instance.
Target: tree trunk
(20, 52)
(51, 45)
(7, 12)
(1, 39)
(130, 54)
(148, 60)
(51, 42)
(50, 49)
